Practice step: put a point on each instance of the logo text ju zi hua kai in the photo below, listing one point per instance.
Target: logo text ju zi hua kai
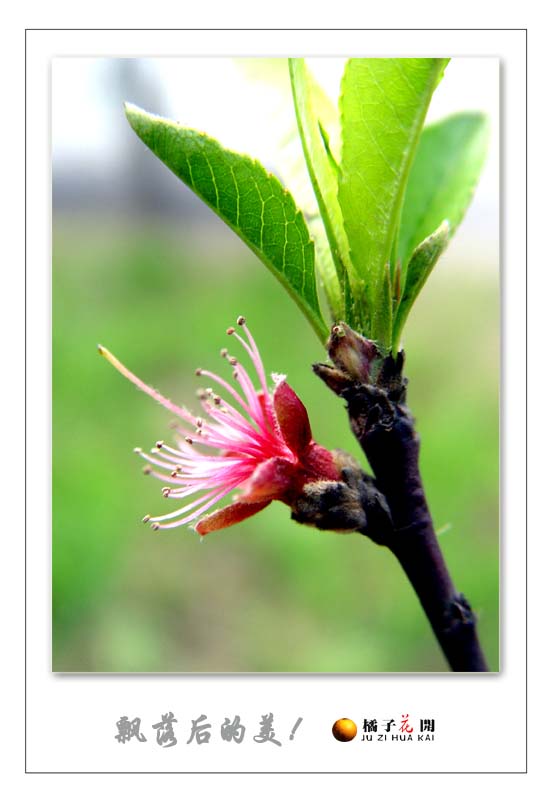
(402, 730)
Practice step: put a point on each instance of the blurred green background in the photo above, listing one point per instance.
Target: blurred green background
(268, 594)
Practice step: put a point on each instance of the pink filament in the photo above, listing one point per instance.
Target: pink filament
(244, 440)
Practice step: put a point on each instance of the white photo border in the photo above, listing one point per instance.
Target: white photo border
(498, 744)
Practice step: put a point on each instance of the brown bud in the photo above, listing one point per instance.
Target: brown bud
(336, 380)
(352, 353)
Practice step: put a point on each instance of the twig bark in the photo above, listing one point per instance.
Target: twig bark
(384, 427)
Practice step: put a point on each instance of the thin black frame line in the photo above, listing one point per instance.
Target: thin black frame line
(526, 409)
(25, 413)
(288, 30)
(275, 772)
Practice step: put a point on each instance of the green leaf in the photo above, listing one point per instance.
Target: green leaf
(446, 168)
(383, 106)
(249, 199)
(423, 260)
(315, 113)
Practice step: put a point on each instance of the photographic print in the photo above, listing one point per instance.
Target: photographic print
(275, 365)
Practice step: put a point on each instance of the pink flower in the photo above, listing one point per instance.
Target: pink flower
(255, 441)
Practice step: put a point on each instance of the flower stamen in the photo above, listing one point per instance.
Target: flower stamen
(263, 455)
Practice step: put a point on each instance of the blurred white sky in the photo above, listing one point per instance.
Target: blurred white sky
(247, 105)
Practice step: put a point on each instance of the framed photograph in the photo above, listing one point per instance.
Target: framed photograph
(296, 261)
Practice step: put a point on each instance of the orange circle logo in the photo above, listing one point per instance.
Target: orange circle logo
(344, 730)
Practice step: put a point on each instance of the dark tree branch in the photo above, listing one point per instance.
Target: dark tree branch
(396, 511)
